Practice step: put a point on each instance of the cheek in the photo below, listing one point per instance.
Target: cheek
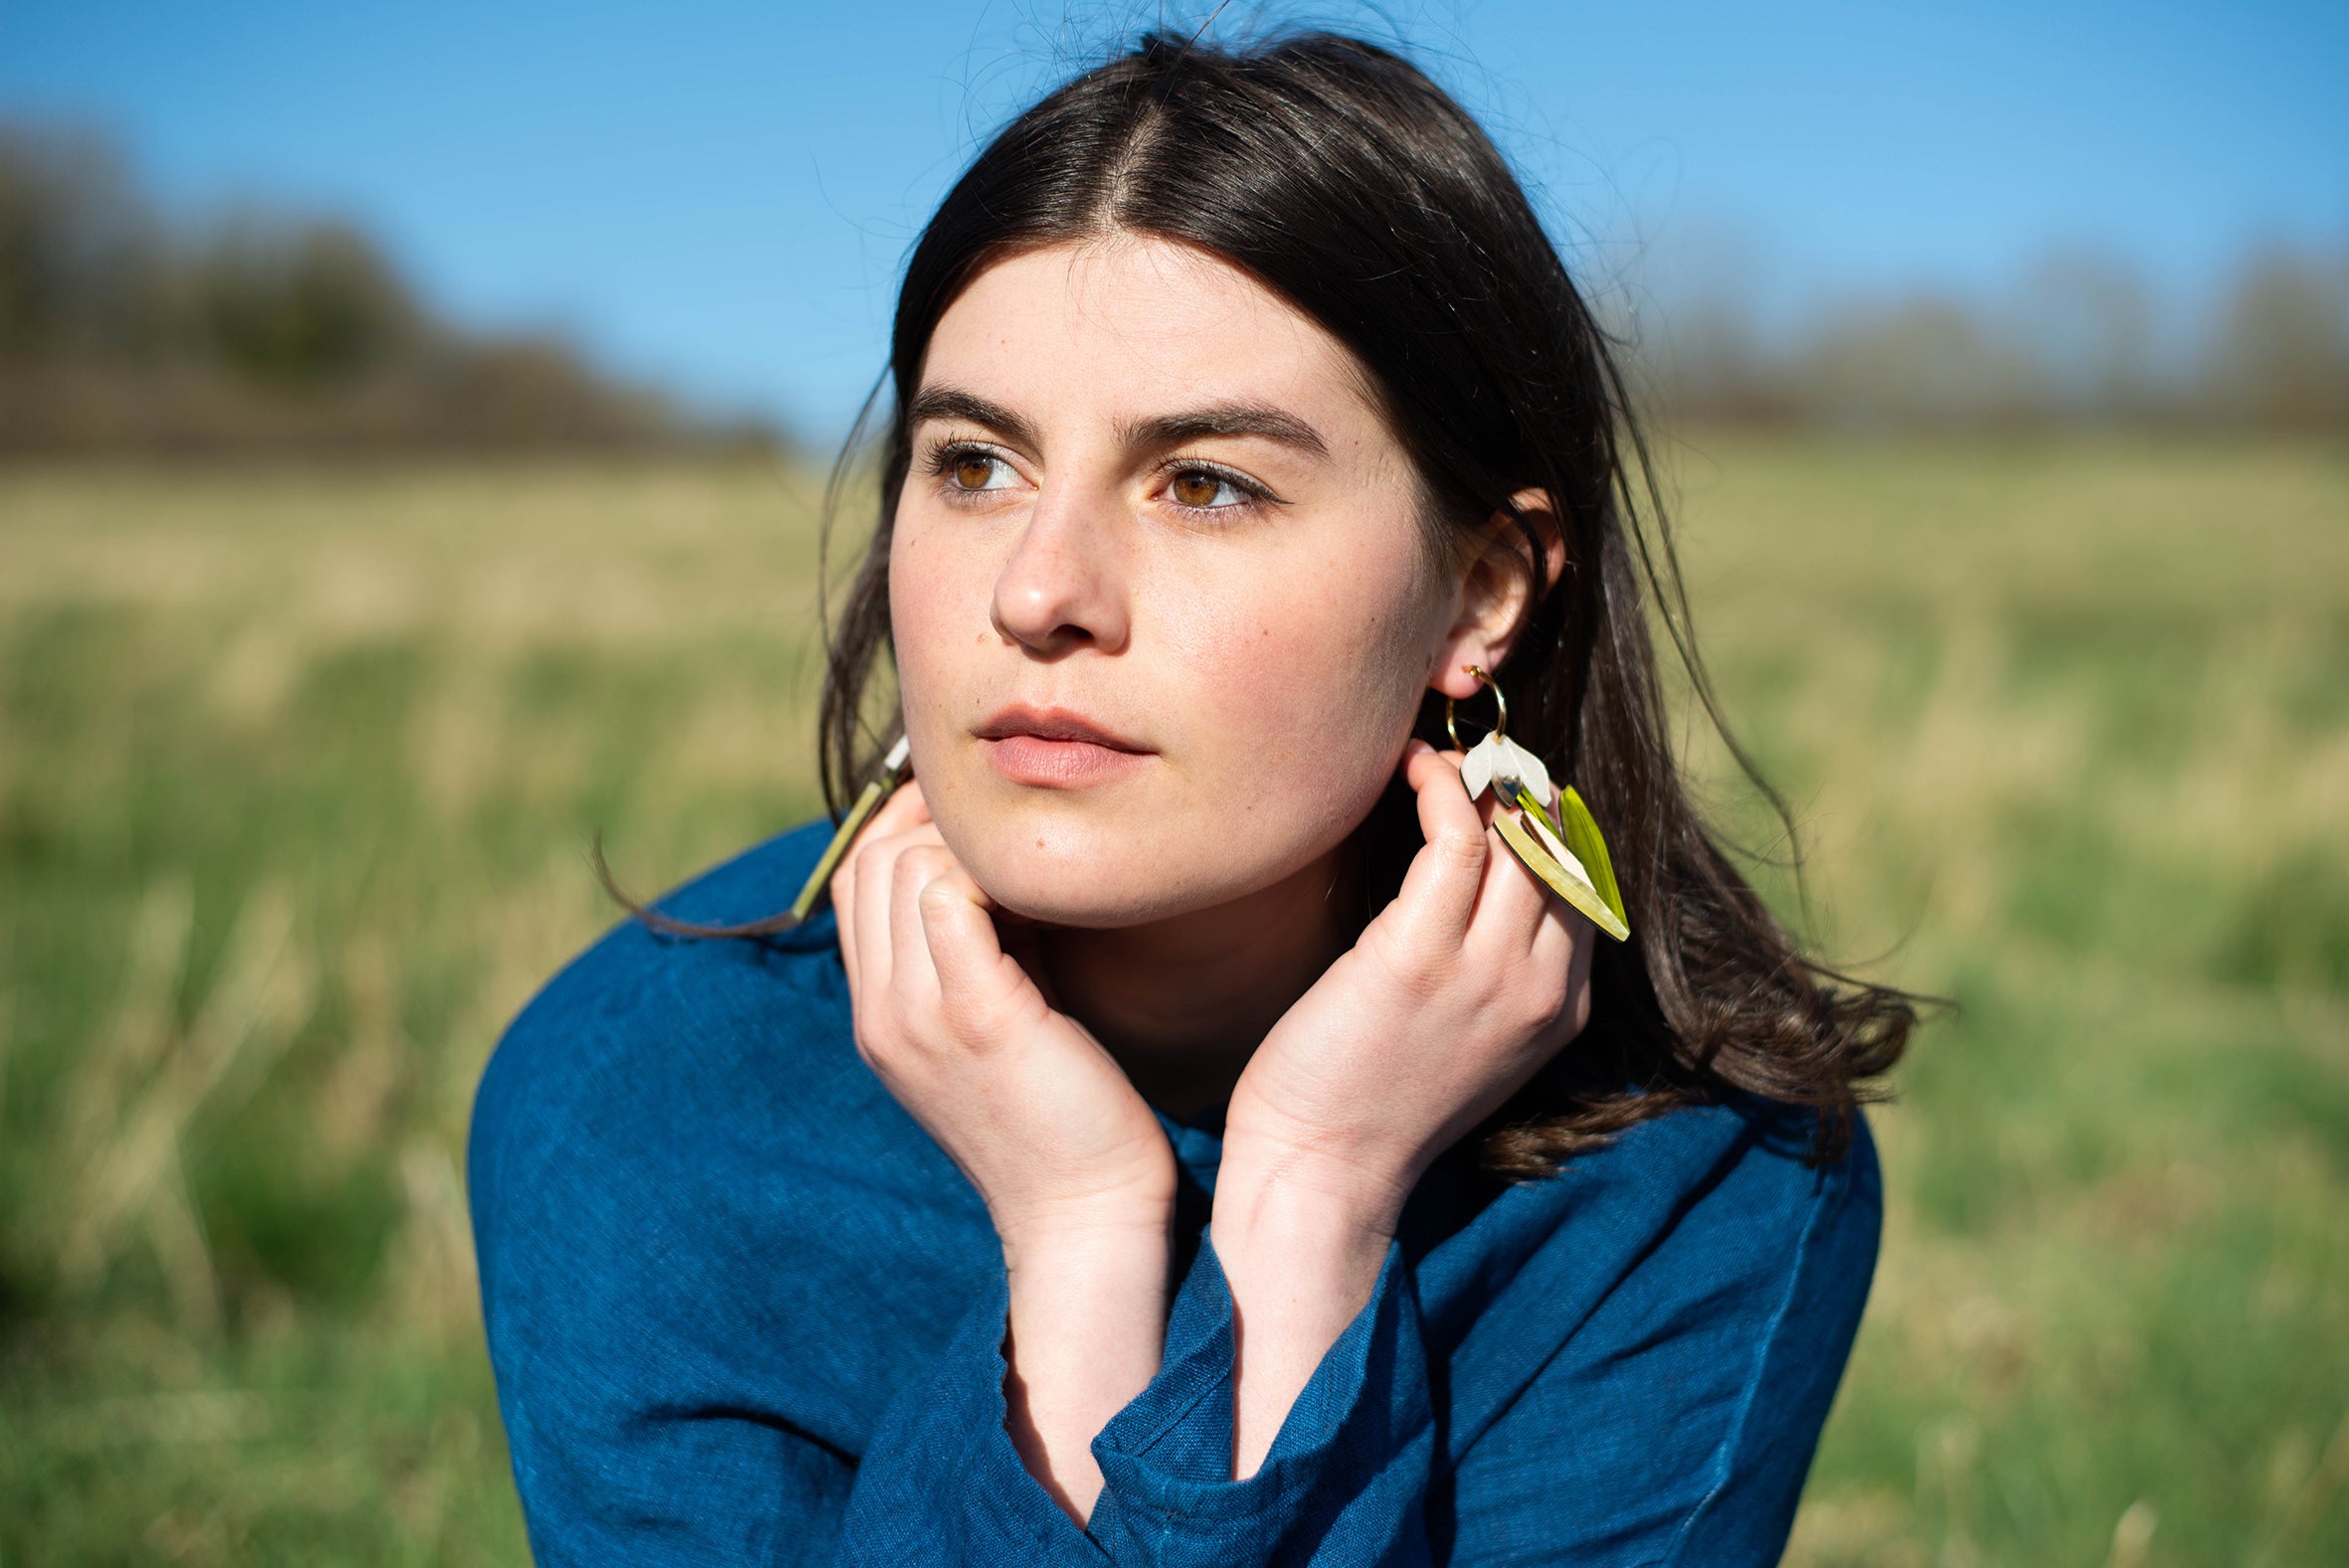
(1311, 676)
(931, 617)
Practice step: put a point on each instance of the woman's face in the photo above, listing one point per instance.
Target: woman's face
(1162, 608)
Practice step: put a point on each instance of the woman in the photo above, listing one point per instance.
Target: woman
(1190, 1135)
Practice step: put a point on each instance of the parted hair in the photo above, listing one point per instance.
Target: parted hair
(1341, 177)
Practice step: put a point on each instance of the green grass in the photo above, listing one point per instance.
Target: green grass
(297, 769)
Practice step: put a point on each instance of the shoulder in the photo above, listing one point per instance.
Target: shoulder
(1741, 1177)
(1732, 1223)
(704, 1229)
(1772, 1274)
(1687, 1300)
(1729, 1179)
(633, 1013)
(652, 1066)
(1752, 1175)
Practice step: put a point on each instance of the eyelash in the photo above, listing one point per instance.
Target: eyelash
(942, 455)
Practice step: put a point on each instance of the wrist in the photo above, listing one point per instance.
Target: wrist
(1267, 1181)
(1084, 1335)
(1071, 1241)
(1279, 1200)
(1302, 1247)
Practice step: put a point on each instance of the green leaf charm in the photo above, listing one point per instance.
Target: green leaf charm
(1580, 831)
(1579, 872)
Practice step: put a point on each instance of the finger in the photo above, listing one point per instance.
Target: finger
(1434, 777)
(1510, 905)
(913, 977)
(844, 922)
(1583, 933)
(1564, 947)
(843, 892)
(905, 809)
(1440, 888)
(876, 863)
(1565, 939)
(965, 948)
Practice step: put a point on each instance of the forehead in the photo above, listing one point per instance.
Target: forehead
(1132, 326)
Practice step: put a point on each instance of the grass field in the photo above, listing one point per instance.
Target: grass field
(298, 771)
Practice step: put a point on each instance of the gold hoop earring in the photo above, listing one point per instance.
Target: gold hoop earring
(1551, 829)
(1499, 707)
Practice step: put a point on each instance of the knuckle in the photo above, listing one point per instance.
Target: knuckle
(1412, 969)
(976, 1023)
(1550, 998)
(871, 1047)
(921, 865)
(1544, 994)
(937, 897)
(1461, 845)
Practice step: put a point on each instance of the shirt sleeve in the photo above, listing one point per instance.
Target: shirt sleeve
(1343, 1481)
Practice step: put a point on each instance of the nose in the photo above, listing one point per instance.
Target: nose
(1065, 584)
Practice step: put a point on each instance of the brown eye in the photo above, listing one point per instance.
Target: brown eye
(973, 471)
(1196, 488)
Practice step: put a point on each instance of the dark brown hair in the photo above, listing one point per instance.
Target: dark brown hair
(1341, 177)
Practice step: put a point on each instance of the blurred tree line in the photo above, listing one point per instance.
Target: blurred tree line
(2080, 340)
(260, 331)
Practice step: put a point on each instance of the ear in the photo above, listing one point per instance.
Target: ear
(1495, 592)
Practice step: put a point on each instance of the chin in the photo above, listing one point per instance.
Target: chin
(1065, 878)
(1107, 871)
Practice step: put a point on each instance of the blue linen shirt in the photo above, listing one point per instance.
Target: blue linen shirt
(742, 1310)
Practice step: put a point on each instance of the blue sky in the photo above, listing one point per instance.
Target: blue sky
(720, 194)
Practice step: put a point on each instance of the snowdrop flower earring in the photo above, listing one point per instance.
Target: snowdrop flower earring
(1550, 831)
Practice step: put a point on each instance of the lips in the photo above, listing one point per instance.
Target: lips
(1054, 723)
(1056, 748)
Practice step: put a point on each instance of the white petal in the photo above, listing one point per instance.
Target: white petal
(1476, 768)
(1526, 769)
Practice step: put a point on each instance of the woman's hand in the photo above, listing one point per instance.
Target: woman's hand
(1076, 1172)
(1037, 1115)
(1455, 993)
(1453, 996)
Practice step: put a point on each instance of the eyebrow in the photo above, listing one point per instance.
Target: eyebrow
(1166, 430)
(1227, 418)
(951, 403)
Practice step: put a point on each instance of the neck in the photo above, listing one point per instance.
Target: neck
(1181, 1004)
